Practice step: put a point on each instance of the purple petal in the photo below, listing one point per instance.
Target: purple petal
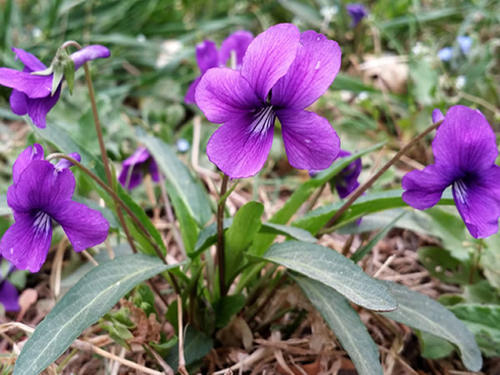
(424, 188)
(437, 115)
(223, 94)
(84, 226)
(312, 72)
(269, 57)
(39, 108)
(89, 53)
(357, 13)
(347, 180)
(18, 102)
(238, 150)
(30, 61)
(206, 55)
(310, 141)
(153, 170)
(237, 42)
(29, 154)
(464, 141)
(9, 296)
(64, 164)
(26, 243)
(40, 187)
(478, 201)
(130, 177)
(140, 155)
(32, 85)
(189, 98)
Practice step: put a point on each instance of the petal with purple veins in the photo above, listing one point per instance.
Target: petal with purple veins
(130, 177)
(310, 141)
(89, 53)
(39, 108)
(29, 60)
(312, 72)
(465, 141)
(477, 198)
(33, 86)
(18, 102)
(84, 226)
(240, 147)
(206, 55)
(29, 154)
(9, 297)
(26, 243)
(237, 42)
(223, 94)
(269, 57)
(39, 186)
(423, 189)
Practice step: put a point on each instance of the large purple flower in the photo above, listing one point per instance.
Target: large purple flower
(40, 195)
(32, 94)
(282, 73)
(9, 297)
(135, 166)
(464, 157)
(357, 13)
(208, 57)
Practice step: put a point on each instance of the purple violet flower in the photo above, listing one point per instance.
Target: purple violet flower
(282, 73)
(347, 180)
(9, 297)
(357, 13)
(465, 151)
(32, 93)
(208, 57)
(40, 195)
(135, 166)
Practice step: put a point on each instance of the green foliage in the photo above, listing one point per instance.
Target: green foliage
(93, 296)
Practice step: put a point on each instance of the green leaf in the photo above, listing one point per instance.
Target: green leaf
(293, 232)
(240, 235)
(226, 307)
(93, 296)
(208, 236)
(345, 323)
(421, 312)
(302, 194)
(187, 188)
(445, 267)
(187, 224)
(433, 347)
(370, 203)
(484, 322)
(334, 270)
(362, 251)
(196, 346)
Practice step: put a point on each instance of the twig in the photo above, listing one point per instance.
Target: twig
(90, 257)
(386, 264)
(170, 217)
(359, 191)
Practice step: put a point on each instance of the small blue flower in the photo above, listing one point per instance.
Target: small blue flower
(445, 54)
(465, 43)
(182, 145)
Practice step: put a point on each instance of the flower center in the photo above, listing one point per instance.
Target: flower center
(263, 119)
(460, 190)
(42, 223)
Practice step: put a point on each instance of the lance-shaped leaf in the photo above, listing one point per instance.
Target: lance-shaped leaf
(93, 296)
(423, 313)
(346, 325)
(334, 270)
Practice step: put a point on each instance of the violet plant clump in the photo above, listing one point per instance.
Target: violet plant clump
(465, 151)
(208, 57)
(41, 194)
(135, 166)
(283, 72)
(34, 94)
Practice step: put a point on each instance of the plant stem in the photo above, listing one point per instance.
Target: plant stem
(360, 190)
(114, 196)
(220, 235)
(104, 155)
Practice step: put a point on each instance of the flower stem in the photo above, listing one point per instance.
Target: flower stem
(220, 235)
(360, 190)
(104, 155)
